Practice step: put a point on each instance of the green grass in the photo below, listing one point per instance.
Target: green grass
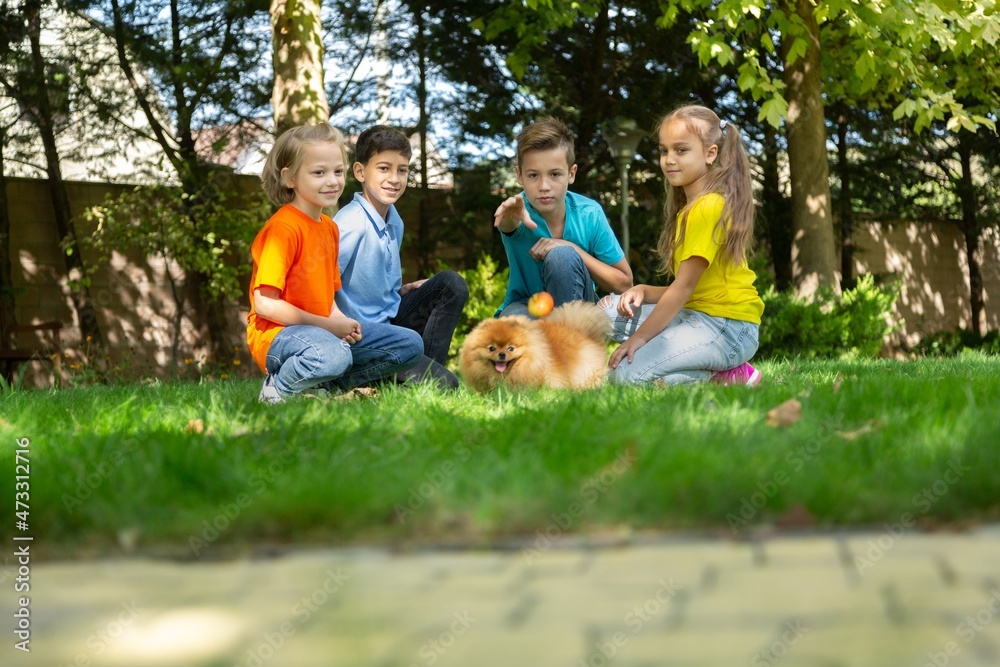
(875, 442)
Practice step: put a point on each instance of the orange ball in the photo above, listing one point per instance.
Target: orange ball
(540, 304)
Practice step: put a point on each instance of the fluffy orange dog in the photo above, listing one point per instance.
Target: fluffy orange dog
(567, 349)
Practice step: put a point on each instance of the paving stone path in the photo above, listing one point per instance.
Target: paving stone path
(861, 599)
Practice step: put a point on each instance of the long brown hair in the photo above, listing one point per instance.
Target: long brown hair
(728, 176)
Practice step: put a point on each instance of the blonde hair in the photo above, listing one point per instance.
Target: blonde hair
(545, 134)
(288, 152)
(728, 176)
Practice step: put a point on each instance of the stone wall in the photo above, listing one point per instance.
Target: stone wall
(930, 259)
(137, 307)
(134, 296)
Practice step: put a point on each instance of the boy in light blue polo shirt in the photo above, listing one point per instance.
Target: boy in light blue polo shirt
(556, 241)
(371, 232)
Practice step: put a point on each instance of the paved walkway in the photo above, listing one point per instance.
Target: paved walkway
(865, 599)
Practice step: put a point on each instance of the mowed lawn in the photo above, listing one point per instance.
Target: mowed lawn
(202, 470)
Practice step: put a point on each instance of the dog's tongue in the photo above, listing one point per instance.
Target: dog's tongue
(501, 366)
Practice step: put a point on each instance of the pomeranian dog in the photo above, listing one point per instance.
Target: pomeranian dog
(567, 349)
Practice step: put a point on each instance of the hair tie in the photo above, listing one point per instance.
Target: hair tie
(722, 124)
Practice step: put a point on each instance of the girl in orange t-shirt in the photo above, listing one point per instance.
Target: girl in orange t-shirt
(295, 331)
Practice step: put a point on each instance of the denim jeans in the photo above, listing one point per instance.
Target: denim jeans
(692, 348)
(565, 277)
(302, 357)
(433, 311)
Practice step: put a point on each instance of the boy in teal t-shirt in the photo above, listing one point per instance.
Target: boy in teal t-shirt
(556, 241)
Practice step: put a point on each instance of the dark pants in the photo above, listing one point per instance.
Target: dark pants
(433, 311)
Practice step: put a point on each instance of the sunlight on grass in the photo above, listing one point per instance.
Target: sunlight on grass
(167, 462)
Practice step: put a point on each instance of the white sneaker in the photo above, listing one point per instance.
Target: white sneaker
(268, 393)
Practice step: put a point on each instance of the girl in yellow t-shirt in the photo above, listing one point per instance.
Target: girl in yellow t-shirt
(705, 324)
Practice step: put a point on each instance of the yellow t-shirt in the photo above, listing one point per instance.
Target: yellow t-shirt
(724, 290)
(298, 255)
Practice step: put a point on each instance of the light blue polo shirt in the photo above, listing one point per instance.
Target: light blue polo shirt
(586, 226)
(369, 261)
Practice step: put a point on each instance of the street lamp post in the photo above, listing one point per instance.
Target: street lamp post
(623, 138)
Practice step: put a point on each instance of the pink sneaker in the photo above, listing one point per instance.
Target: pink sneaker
(742, 374)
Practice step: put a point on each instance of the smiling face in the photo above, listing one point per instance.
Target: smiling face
(545, 176)
(684, 159)
(383, 178)
(319, 180)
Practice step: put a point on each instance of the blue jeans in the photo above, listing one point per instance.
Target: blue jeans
(302, 357)
(564, 276)
(692, 348)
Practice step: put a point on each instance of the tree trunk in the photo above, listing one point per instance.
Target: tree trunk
(6, 274)
(846, 210)
(299, 95)
(42, 116)
(425, 244)
(593, 85)
(774, 207)
(814, 248)
(971, 231)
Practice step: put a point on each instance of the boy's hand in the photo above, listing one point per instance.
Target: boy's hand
(633, 296)
(409, 287)
(511, 213)
(543, 246)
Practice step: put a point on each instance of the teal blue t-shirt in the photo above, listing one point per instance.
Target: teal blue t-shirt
(586, 226)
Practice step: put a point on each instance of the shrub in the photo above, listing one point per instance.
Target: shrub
(487, 287)
(854, 324)
(953, 343)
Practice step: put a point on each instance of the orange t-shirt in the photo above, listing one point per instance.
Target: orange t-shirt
(297, 255)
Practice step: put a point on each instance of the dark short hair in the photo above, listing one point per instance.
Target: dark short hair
(380, 138)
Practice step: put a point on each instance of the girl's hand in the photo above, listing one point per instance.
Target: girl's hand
(634, 296)
(628, 348)
(345, 328)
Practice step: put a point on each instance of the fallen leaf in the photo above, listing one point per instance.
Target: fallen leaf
(356, 393)
(785, 414)
(195, 426)
(869, 426)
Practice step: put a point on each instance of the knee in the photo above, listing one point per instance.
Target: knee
(563, 257)
(334, 360)
(609, 304)
(411, 348)
(455, 285)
